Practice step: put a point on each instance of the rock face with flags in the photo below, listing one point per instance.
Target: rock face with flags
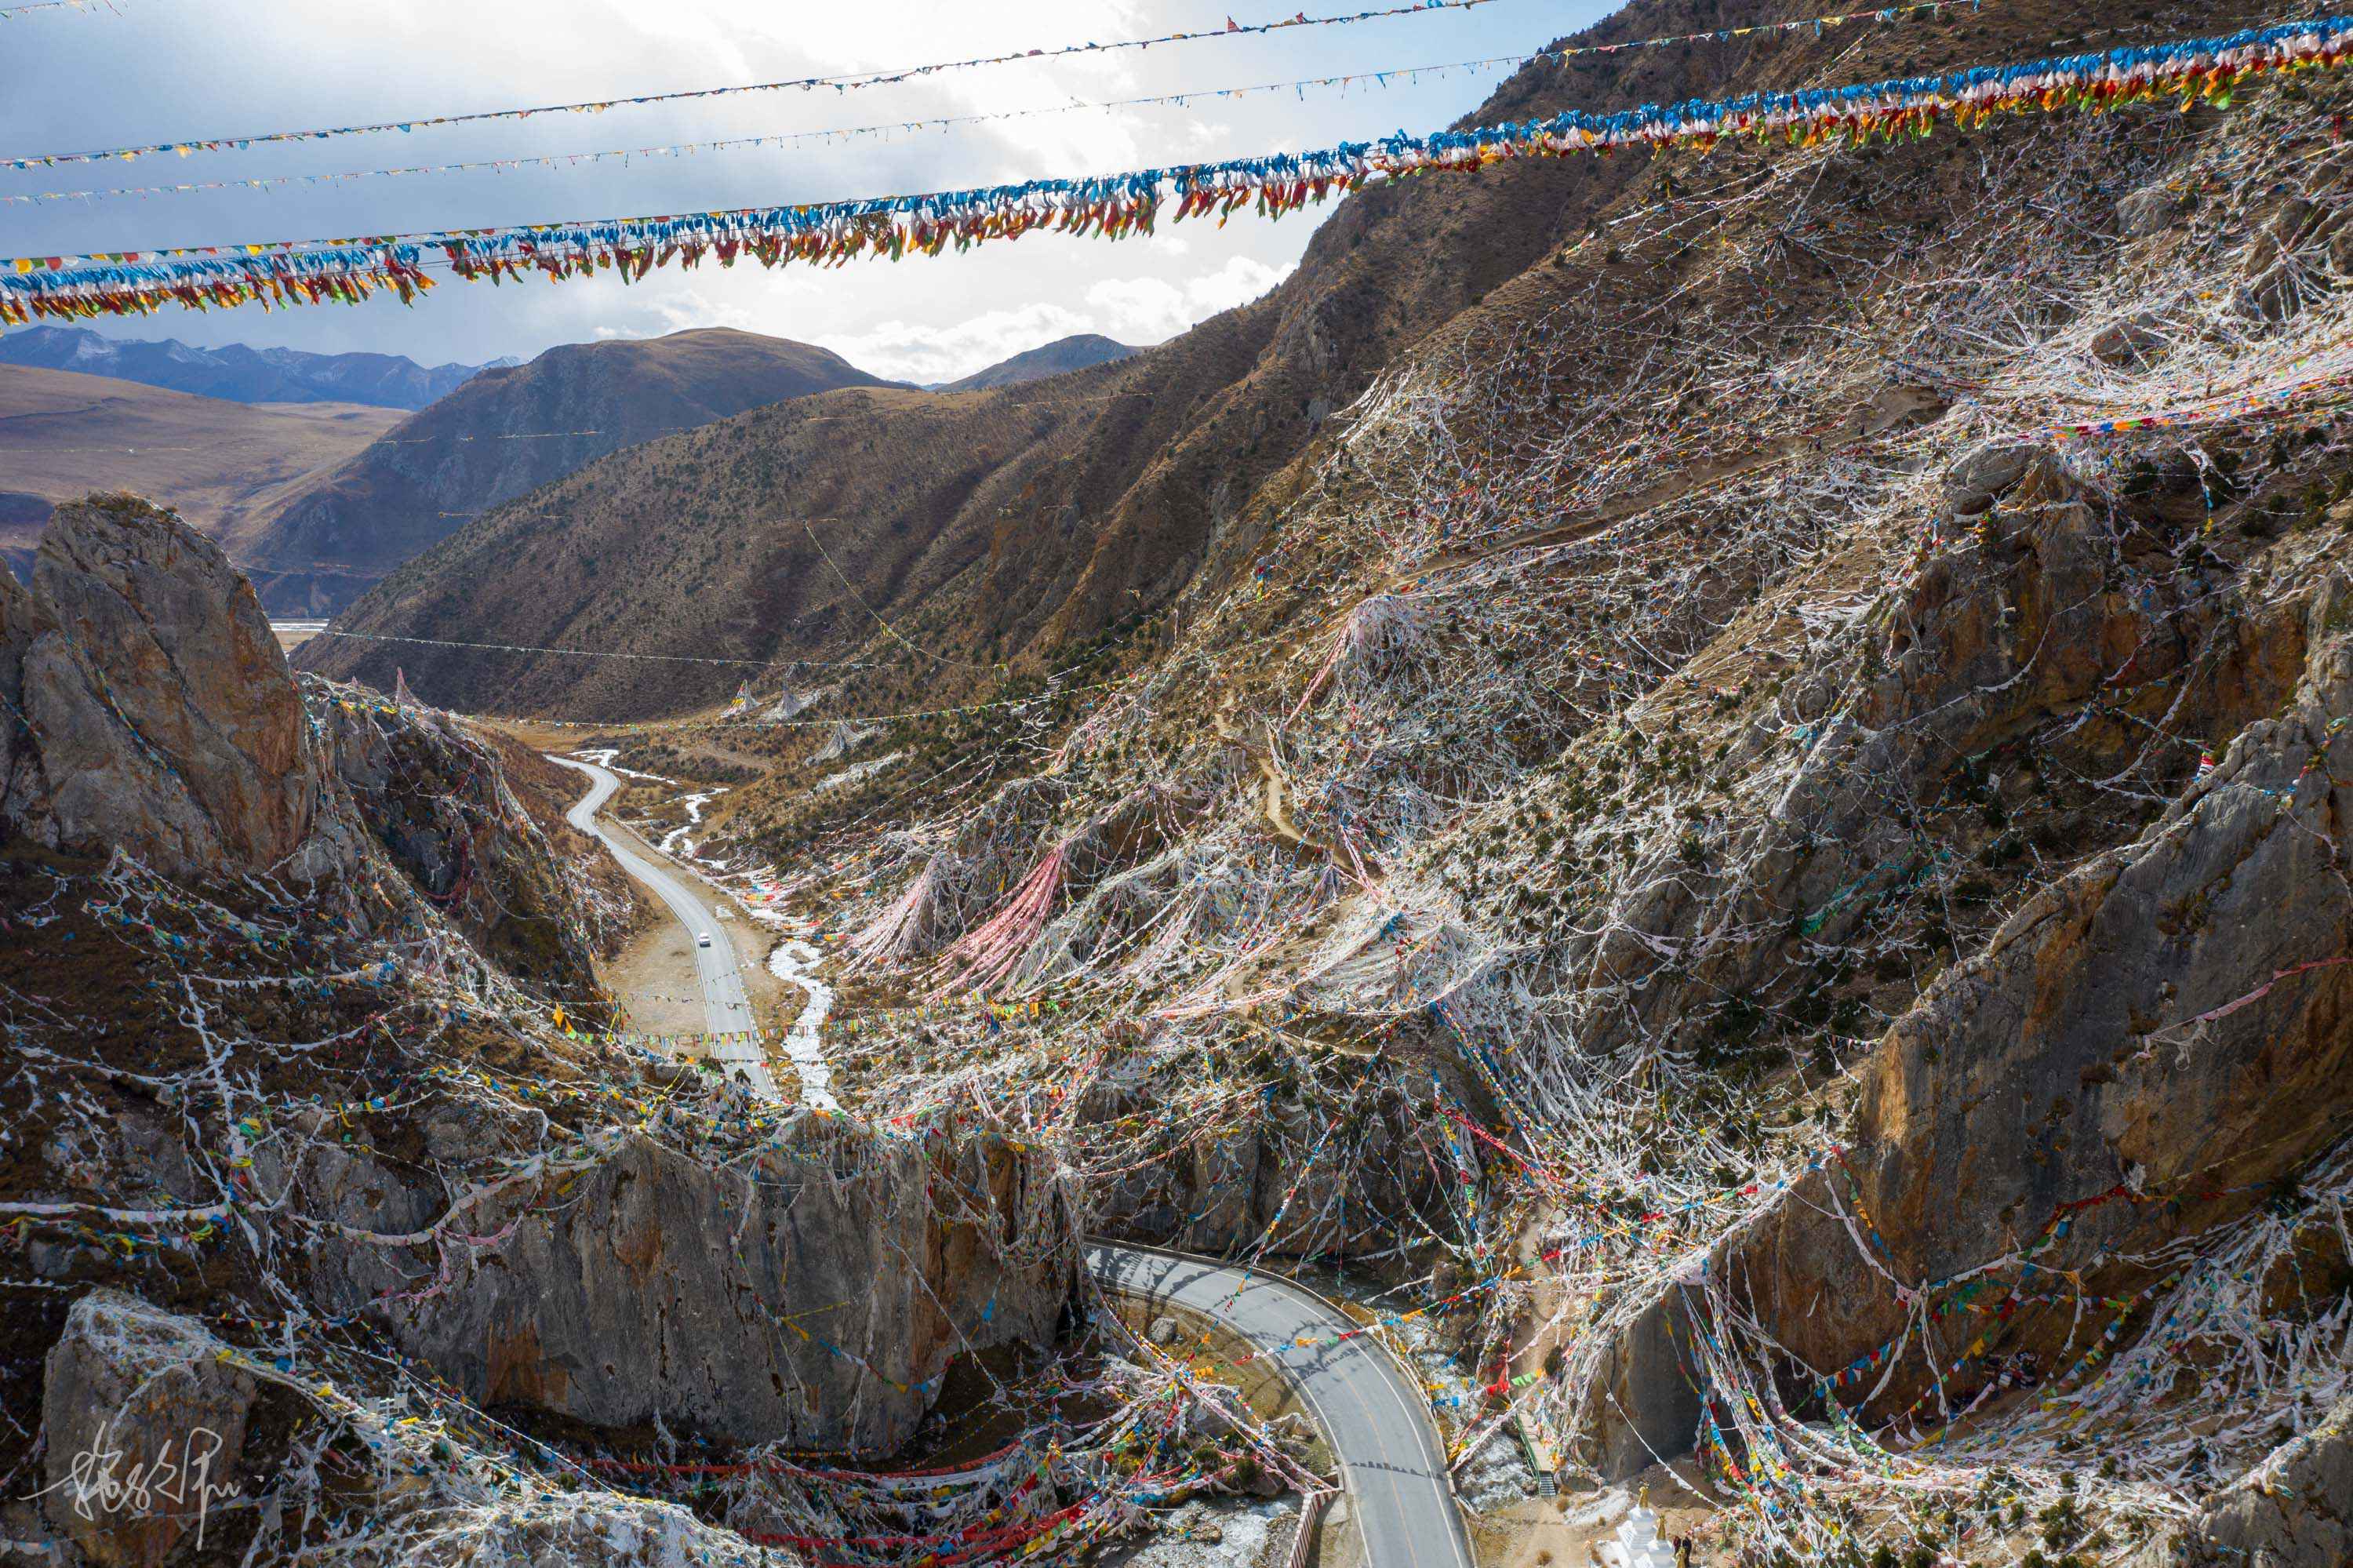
(435, 797)
(2144, 1050)
(813, 1299)
(327, 915)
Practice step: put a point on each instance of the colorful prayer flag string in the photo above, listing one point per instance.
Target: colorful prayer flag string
(779, 139)
(1116, 206)
(39, 8)
(1344, 81)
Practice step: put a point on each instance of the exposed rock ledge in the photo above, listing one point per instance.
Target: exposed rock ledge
(814, 1295)
(2293, 1508)
(810, 1288)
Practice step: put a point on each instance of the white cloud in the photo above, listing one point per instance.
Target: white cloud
(1147, 310)
(1140, 311)
(913, 351)
(680, 310)
(1241, 280)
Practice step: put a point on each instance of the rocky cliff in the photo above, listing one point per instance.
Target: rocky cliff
(435, 797)
(664, 1289)
(1755, 820)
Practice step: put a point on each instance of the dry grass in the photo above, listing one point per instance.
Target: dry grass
(223, 465)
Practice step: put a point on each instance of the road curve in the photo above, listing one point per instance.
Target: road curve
(1375, 1420)
(726, 1005)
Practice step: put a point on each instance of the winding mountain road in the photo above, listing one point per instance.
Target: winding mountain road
(1373, 1417)
(726, 1005)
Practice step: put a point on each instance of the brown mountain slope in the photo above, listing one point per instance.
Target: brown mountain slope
(903, 489)
(510, 430)
(1153, 467)
(1067, 354)
(223, 465)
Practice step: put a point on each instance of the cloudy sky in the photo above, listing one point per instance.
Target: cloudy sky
(129, 72)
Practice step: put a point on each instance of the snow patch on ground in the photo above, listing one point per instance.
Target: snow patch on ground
(855, 772)
(793, 960)
(1246, 1536)
(675, 842)
(603, 757)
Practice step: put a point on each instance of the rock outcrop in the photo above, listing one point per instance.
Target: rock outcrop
(145, 1425)
(150, 708)
(435, 797)
(2140, 1051)
(810, 1286)
(2292, 1510)
(1262, 1188)
(814, 1295)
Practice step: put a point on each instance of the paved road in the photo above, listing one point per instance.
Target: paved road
(1375, 1420)
(726, 1006)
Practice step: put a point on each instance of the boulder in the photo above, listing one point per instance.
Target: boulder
(2292, 1510)
(152, 708)
(2129, 345)
(2149, 211)
(1984, 471)
(145, 1426)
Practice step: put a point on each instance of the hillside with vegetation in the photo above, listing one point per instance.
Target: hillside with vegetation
(1050, 510)
(224, 465)
(1713, 784)
(506, 431)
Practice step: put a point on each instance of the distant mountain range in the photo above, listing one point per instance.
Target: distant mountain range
(240, 374)
(1074, 353)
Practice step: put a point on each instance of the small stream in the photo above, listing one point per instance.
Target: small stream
(795, 963)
